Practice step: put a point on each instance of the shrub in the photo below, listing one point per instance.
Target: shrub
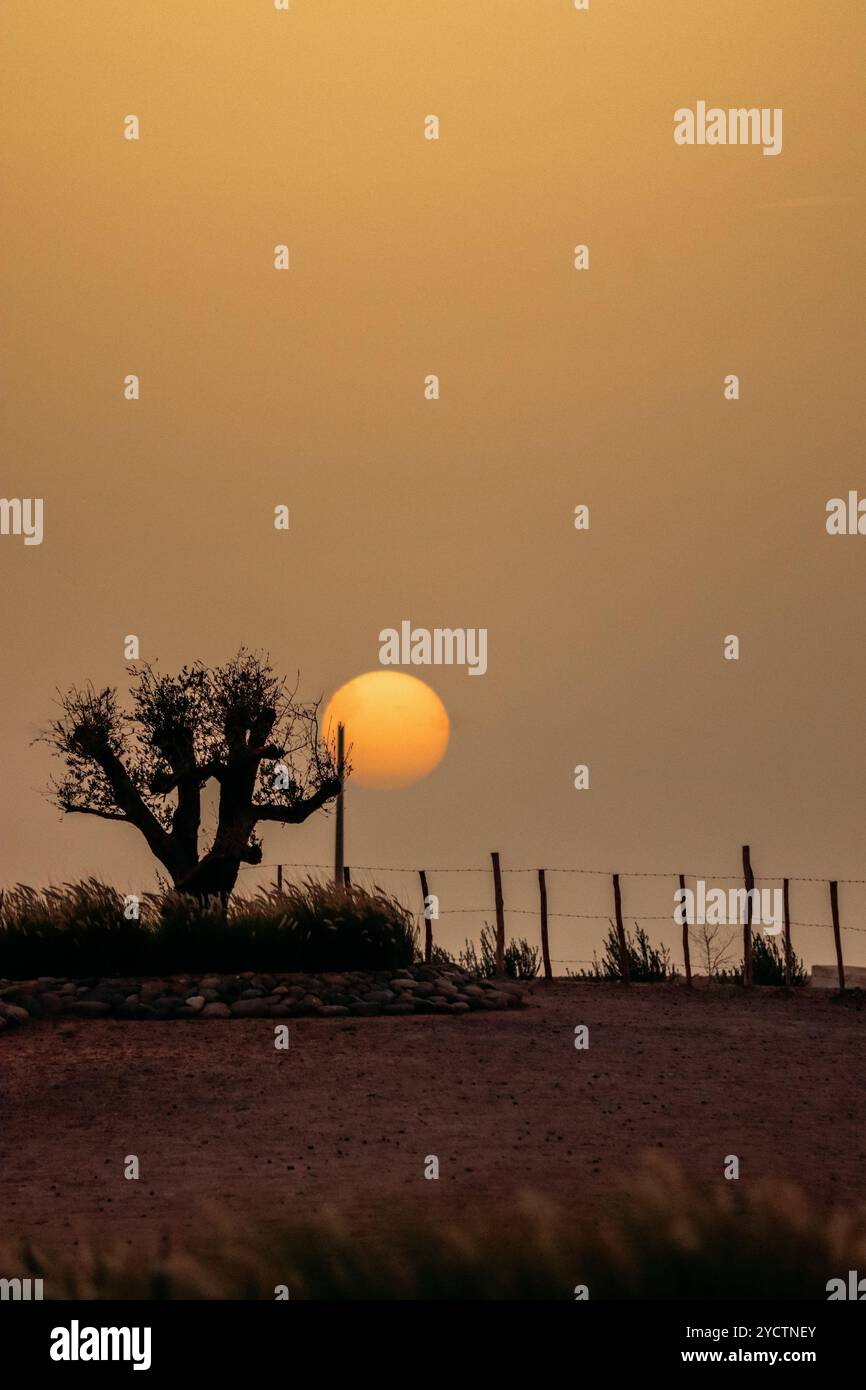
(520, 960)
(645, 962)
(79, 930)
(768, 964)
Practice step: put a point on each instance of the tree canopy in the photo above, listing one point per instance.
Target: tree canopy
(239, 725)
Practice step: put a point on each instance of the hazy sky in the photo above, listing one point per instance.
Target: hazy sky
(558, 387)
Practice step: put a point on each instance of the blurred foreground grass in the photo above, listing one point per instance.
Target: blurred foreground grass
(667, 1238)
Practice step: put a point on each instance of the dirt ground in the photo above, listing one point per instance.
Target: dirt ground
(347, 1116)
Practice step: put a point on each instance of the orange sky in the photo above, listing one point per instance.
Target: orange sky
(558, 387)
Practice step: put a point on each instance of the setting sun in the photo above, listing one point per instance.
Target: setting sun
(396, 727)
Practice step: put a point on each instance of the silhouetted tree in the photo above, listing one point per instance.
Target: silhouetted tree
(238, 725)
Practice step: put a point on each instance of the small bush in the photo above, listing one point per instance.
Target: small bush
(520, 960)
(768, 964)
(645, 962)
(80, 930)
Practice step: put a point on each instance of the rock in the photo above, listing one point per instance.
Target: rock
(216, 1011)
(23, 999)
(331, 1010)
(459, 1008)
(210, 982)
(101, 994)
(89, 1008)
(152, 989)
(247, 1008)
(251, 993)
(135, 1010)
(13, 1013)
(496, 999)
(380, 996)
(446, 991)
(398, 1009)
(196, 1002)
(51, 1003)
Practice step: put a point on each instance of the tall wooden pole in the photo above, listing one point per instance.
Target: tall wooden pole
(620, 931)
(339, 851)
(279, 878)
(749, 879)
(500, 915)
(837, 933)
(428, 925)
(545, 944)
(787, 932)
(686, 956)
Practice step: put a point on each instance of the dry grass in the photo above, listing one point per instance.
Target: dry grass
(671, 1239)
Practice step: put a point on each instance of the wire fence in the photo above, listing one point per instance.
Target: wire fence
(745, 879)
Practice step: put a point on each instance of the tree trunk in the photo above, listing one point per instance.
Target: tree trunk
(213, 877)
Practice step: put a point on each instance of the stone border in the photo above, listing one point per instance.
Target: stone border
(252, 994)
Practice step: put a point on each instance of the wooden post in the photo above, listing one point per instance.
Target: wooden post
(279, 878)
(787, 933)
(686, 956)
(339, 875)
(500, 915)
(749, 878)
(620, 931)
(834, 908)
(545, 944)
(428, 925)
(347, 877)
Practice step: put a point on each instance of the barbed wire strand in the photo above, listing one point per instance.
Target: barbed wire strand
(559, 869)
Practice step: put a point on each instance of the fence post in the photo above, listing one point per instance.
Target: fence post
(279, 878)
(347, 877)
(500, 915)
(834, 908)
(749, 878)
(339, 875)
(620, 931)
(787, 932)
(545, 944)
(686, 956)
(428, 925)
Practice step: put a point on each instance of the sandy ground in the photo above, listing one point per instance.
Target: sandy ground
(347, 1116)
